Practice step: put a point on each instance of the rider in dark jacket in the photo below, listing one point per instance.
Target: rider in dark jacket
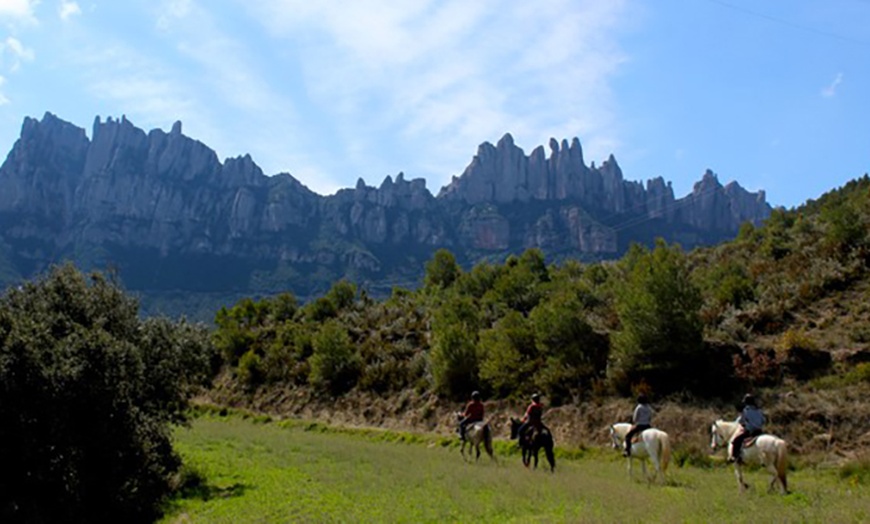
(641, 420)
(751, 422)
(473, 413)
(533, 417)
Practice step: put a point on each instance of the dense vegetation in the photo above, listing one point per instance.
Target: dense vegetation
(707, 323)
(88, 396)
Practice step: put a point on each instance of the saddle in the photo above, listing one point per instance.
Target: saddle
(532, 433)
(749, 442)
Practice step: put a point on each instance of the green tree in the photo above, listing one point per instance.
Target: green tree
(508, 355)
(87, 395)
(442, 271)
(572, 353)
(453, 355)
(660, 340)
(334, 364)
(342, 294)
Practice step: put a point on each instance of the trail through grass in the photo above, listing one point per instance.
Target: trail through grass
(266, 472)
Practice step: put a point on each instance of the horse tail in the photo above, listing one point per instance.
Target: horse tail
(487, 440)
(548, 449)
(665, 452)
(781, 463)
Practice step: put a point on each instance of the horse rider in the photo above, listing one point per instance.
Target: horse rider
(473, 413)
(533, 417)
(641, 419)
(751, 422)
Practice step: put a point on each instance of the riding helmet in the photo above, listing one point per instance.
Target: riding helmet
(536, 397)
(749, 399)
(641, 399)
(475, 395)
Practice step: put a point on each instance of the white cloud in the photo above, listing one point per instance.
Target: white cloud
(17, 53)
(68, 9)
(172, 10)
(18, 9)
(454, 73)
(3, 99)
(831, 89)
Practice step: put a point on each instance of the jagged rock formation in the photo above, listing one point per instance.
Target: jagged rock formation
(173, 220)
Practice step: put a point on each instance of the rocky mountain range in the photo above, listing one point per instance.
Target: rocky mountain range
(188, 232)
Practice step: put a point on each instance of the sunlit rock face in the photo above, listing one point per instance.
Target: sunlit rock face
(167, 214)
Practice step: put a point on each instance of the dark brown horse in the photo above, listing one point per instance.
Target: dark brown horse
(532, 442)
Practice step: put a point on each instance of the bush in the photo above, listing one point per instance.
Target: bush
(251, 369)
(334, 364)
(87, 395)
(692, 455)
(857, 470)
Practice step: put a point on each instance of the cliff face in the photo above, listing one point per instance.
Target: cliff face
(164, 211)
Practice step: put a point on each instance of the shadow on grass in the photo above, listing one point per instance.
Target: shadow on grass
(190, 484)
(206, 492)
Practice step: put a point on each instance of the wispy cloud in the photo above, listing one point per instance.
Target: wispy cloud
(3, 99)
(68, 9)
(454, 73)
(16, 53)
(831, 89)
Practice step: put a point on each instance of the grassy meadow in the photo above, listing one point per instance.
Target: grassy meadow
(256, 470)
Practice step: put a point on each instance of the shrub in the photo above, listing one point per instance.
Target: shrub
(797, 353)
(692, 455)
(757, 366)
(334, 364)
(857, 470)
(251, 369)
(87, 394)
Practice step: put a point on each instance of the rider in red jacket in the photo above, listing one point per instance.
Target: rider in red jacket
(473, 413)
(533, 417)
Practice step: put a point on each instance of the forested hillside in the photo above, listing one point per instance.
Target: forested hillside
(782, 307)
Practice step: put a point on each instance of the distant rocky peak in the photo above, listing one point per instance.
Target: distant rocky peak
(55, 130)
(242, 171)
(709, 182)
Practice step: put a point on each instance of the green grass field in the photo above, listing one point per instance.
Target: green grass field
(293, 472)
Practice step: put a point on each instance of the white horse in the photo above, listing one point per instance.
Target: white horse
(767, 450)
(477, 433)
(652, 444)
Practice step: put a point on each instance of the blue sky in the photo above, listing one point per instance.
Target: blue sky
(772, 93)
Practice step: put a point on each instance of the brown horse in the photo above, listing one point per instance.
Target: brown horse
(532, 442)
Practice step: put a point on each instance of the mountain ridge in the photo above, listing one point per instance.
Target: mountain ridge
(170, 216)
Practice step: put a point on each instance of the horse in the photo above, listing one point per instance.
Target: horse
(532, 442)
(477, 433)
(768, 450)
(653, 444)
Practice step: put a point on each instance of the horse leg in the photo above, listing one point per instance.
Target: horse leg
(776, 476)
(477, 448)
(738, 471)
(551, 458)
